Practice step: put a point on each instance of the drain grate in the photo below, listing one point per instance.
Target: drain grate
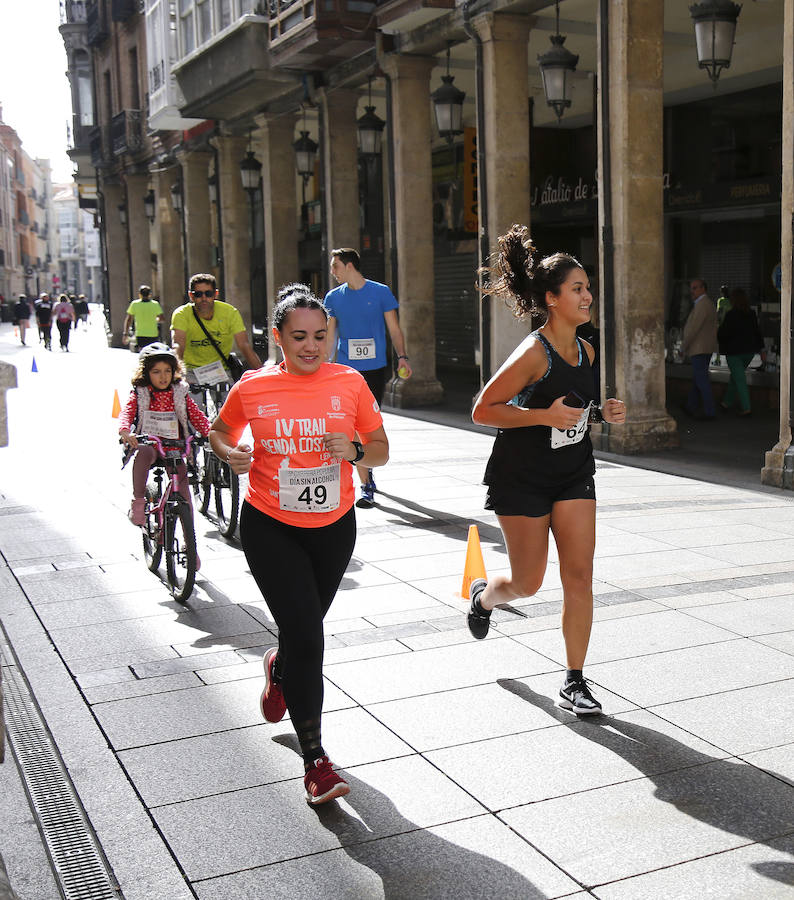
(78, 862)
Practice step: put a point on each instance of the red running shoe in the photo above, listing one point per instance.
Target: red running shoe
(323, 784)
(272, 701)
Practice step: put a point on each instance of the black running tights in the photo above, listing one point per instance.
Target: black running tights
(298, 571)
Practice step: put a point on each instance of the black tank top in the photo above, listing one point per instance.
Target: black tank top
(525, 457)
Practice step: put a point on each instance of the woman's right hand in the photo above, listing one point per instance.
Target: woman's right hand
(129, 438)
(240, 459)
(560, 415)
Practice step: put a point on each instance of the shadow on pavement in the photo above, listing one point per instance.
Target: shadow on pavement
(729, 796)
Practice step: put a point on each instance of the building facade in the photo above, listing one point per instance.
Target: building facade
(652, 176)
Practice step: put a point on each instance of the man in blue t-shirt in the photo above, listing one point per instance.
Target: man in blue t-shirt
(361, 311)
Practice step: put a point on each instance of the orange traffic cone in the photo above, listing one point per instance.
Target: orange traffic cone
(16, 331)
(474, 567)
(116, 405)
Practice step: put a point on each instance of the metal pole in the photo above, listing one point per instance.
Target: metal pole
(607, 320)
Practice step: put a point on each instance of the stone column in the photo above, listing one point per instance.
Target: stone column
(340, 169)
(279, 188)
(778, 467)
(168, 243)
(635, 44)
(117, 260)
(140, 237)
(198, 213)
(505, 87)
(234, 220)
(411, 112)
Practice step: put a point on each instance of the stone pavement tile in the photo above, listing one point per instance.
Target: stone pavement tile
(762, 591)
(433, 614)
(758, 870)
(365, 651)
(479, 713)
(222, 834)
(783, 641)
(778, 761)
(233, 590)
(102, 677)
(754, 553)
(707, 598)
(621, 544)
(625, 638)
(138, 721)
(632, 828)
(751, 617)
(385, 633)
(105, 693)
(360, 575)
(73, 584)
(192, 663)
(252, 640)
(430, 671)
(516, 627)
(460, 634)
(113, 608)
(120, 658)
(377, 549)
(372, 602)
(211, 627)
(579, 756)
(250, 757)
(34, 569)
(430, 566)
(618, 569)
(692, 671)
(237, 672)
(739, 721)
(467, 860)
(738, 533)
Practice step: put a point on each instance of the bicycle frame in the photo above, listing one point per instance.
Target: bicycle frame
(174, 482)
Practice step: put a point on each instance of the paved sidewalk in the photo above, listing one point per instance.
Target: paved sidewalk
(467, 781)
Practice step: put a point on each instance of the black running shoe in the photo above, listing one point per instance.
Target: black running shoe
(478, 622)
(576, 696)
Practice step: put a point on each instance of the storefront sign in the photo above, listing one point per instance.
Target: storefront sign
(737, 193)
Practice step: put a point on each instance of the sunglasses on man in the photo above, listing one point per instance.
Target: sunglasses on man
(203, 293)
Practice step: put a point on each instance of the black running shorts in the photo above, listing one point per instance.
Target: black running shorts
(537, 502)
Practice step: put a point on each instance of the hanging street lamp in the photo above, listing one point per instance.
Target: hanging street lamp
(448, 106)
(715, 30)
(370, 128)
(557, 65)
(250, 172)
(212, 184)
(305, 153)
(148, 205)
(123, 213)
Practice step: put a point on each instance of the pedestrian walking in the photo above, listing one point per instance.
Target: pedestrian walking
(297, 525)
(360, 312)
(540, 473)
(82, 311)
(143, 318)
(700, 342)
(22, 316)
(64, 317)
(740, 339)
(44, 307)
(158, 404)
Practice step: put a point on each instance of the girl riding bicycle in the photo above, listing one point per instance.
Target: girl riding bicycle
(159, 404)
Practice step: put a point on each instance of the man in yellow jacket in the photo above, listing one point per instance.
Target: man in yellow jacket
(700, 342)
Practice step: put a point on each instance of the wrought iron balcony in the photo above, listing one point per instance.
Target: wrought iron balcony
(121, 10)
(96, 18)
(99, 143)
(125, 132)
(73, 12)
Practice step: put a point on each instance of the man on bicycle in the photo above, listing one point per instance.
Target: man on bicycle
(204, 331)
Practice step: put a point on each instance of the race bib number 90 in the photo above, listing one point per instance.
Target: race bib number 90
(309, 490)
(363, 348)
(570, 436)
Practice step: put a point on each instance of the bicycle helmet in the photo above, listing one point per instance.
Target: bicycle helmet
(159, 350)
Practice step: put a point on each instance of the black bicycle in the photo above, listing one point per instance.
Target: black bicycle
(169, 527)
(213, 475)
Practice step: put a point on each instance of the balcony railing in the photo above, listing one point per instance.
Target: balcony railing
(98, 30)
(99, 145)
(334, 15)
(125, 132)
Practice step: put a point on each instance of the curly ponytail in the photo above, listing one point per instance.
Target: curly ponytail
(525, 280)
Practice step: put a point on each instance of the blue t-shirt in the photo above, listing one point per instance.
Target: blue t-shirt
(359, 320)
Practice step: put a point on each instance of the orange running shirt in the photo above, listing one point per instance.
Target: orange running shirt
(293, 478)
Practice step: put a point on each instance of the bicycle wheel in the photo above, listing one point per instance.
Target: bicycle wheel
(180, 550)
(202, 489)
(227, 498)
(152, 546)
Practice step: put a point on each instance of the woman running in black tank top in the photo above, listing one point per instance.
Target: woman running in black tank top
(540, 474)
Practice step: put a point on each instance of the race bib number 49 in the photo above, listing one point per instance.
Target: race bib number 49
(566, 437)
(309, 490)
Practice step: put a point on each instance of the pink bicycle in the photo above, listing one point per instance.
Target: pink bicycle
(169, 524)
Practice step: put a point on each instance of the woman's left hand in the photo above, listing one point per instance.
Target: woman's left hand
(339, 445)
(614, 411)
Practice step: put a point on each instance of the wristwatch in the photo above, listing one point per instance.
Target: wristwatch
(359, 451)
